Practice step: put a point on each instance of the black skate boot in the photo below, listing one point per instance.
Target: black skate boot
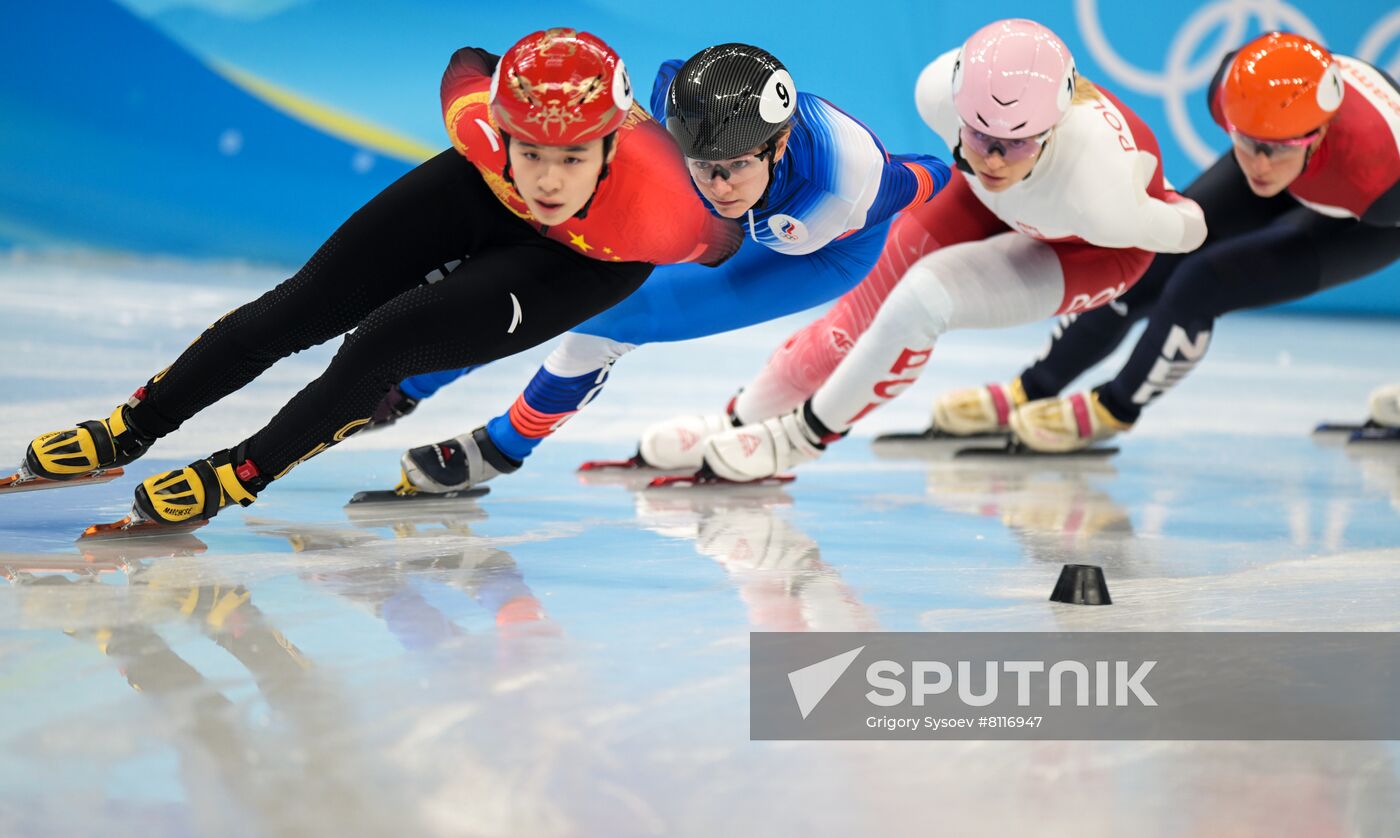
(455, 465)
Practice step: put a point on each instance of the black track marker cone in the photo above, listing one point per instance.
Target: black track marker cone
(1081, 584)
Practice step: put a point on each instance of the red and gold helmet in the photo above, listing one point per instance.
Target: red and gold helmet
(560, 87)
(1281, 86)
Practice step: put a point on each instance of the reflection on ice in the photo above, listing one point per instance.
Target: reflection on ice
(559, 658)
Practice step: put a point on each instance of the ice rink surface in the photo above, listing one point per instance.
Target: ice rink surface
(566, 657)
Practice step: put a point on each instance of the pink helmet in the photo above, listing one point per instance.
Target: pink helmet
(1013, 79)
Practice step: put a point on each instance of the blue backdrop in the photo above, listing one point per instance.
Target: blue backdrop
(250, 128)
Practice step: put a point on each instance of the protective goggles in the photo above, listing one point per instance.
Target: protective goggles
(1272, 148)
(736, 170)
(1011, 151)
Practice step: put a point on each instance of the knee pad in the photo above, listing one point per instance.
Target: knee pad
(1190, 297)
(578, 353)
(921, 301)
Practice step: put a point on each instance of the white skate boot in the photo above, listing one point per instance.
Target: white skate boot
(1384, 424)
(679, 442)
(1385, 405)
(755, 452)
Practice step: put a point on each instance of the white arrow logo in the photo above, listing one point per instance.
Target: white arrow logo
(516, 316)
(810, 684)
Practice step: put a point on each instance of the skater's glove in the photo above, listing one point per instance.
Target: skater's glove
(490, 58)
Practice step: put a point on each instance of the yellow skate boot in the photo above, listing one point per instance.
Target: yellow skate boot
(1062, 424)
(198, 491)
(92, 452)
(978, 410)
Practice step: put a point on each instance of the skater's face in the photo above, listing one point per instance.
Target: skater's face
(1271, 167)
(556, 181)
(1002, 168)
(733, 186)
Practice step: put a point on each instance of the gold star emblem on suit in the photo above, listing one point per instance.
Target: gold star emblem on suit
(577, 240)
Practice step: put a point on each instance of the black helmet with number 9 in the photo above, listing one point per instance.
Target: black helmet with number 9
(728, 99)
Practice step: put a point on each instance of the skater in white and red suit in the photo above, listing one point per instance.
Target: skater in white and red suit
(1060, 209)
(1308, 198)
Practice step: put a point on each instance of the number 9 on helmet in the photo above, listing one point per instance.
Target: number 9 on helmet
(727, 100)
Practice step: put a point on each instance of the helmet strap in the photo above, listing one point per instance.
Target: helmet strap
(1313, 146)
(770, 152)
(1038, 155)
(506, 172)
(960, 162)
(608, 143)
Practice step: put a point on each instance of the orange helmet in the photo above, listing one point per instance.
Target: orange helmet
(1281, 86)
(560, 87)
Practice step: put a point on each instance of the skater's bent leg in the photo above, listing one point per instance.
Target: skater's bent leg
(1006, 280)
(795, 371)
(677, 302)
(572, 376)
(433, 215)
(1079, 341)
(502, 301)
(1107, 290)
(1295, 256)
(422, 386)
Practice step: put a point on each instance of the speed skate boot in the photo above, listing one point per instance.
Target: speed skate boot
(679, 442)
(196, 493)
(1062, 424)
(766, 449)
(978, 410)
(454, 465)
(93, 451)
(1384, 419)
(1385, 406)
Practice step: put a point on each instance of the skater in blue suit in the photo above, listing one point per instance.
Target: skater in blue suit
(813, 187)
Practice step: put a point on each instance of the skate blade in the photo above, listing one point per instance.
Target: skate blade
(102, 557)
(1373, 435)
(633, 462)
(396, 496)
(698, 480)
(1016, 449)
(936, 435)
(1343, 427)
(18, 482)
(628, 477)
(17, 568)
(180, 544)
(132, 527)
